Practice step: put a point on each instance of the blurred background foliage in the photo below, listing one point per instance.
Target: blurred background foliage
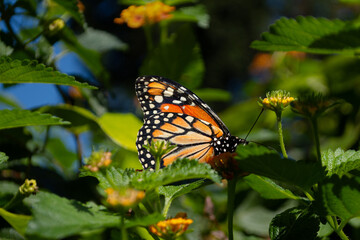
(205, 48)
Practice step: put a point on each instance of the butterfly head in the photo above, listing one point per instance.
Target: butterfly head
(227, 143)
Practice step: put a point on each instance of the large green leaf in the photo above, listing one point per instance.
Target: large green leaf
(340, 162)
(17, 221)
(20, 118)
(26, 71)
(267, 163)
(294, 223)
(121, 128)
(180, 170)
(312, 35)
(56, 217)
(340, 197)
(268, 188)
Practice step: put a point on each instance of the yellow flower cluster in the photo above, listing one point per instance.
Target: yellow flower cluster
(276, 100)
(125, 198)
(138, 16)
(29, 187)
(171, 228)
(98, 160)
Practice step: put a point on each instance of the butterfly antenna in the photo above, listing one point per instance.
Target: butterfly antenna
(262, 110)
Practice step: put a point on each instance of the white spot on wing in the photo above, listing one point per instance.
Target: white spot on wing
(158, 99)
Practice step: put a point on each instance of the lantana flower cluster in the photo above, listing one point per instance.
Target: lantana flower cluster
(150, 13)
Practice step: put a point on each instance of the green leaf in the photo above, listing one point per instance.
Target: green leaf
(340, 197)
(178, 58)
(81, 119)
(196, 13)
(174, 191)
(9, 100)
(264, 162)
(5, 50)
(181, 169)
(294, 223)
(10, 234)
(21, 118)
(26, 71)
(3, 158)
(213, 94)
(312, 35)
(91, 58)
(101, 41)
(17, 221)
(70, 6)
(268, 188)
(340, 162)
(62, 156)
(56, 217)
(121, 128)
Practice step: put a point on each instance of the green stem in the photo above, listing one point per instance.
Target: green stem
(281, 138)
(167, 205)
(316, 137)
(149, 41)
(124, 235)
(338, 229)
(230, 206)
(16, 199)
(163, 31)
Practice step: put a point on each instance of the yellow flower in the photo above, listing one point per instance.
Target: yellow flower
(56, 25)
(171, 228)
(138, 16)
(126, 198)
(29, 187)
(276, 100)
(98, 160)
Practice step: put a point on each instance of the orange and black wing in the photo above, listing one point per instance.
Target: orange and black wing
(194, 138)
(158, 94)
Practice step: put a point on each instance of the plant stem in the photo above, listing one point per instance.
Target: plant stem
(314, 126)
(167, 204)
(124, 235)
(230, 207)
(78, 149)
(281, 138)
(338, 229)
(148, 37)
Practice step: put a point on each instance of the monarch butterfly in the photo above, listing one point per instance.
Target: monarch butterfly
(173, 113)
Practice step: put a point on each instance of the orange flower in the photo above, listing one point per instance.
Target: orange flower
(171, 228)
(261, 62)
(98, 160)
(81, 6)
(138, 16)
(125, 198)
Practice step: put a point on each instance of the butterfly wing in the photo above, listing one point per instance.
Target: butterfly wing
(158, 94)
(193, 138)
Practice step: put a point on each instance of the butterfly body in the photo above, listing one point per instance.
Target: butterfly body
(175, 114)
